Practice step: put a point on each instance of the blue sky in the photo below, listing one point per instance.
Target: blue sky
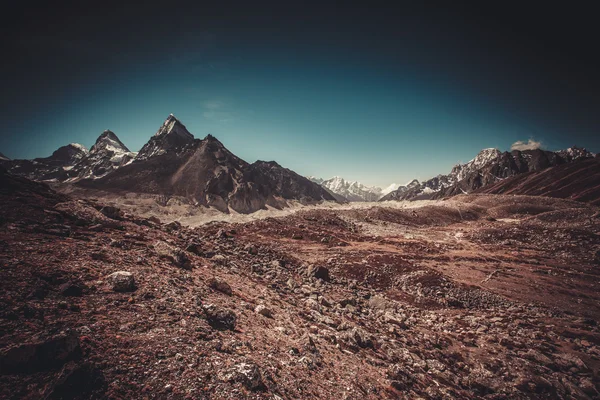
(383, 107)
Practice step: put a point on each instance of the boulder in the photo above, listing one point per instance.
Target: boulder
(220, 286)
(39, 356)
(220, 318)
(319, 272)
(248, 374)
(71, 290)
(174, 254)
(262, 310)
(122, 281)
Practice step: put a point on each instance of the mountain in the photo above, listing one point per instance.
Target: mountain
(171, 135)
(349, 190)
(74, 162)
(106, 155)
(3, 157)
(52, 168)
(575, 180)
(488, 167)
(390, 188)
(411, 189)
(208, 174)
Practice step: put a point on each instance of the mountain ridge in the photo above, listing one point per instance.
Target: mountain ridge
(489, 166)
(173, 163)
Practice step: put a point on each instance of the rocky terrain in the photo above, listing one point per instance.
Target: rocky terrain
(480, 296)
(490, 166)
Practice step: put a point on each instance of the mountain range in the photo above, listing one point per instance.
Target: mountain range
(489, 167)
(173, 163)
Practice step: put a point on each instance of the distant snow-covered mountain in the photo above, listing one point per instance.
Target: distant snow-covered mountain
(390, 188)
(349, 190)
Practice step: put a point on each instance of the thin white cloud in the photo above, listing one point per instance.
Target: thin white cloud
(529, 145)
(213, 104)
(216, 110)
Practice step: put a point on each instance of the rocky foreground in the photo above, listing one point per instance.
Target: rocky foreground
(484, 296)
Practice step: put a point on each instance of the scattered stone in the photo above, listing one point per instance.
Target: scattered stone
(112, 212)
(262, 310)
(194, 248)
(122, 281)
(319, 272)
(220, 286)
(358, 337)
(173, 226)
(251, 249)
(71, 290)
(177, 256)
(247, 374)
(220, 318)
(219, 259)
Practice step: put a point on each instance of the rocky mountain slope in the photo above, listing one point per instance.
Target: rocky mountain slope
(481, 297)
(53, 168)
(488, 167)
(106, 155)
(171, 135)
(349, 190)
(74, 162)
(579, 180)
(207, 174)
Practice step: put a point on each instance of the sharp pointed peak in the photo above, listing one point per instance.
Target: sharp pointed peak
(109, 140)
(173, 125)
(107, 133)
(172, 118)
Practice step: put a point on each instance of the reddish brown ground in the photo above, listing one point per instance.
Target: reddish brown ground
(482, 297)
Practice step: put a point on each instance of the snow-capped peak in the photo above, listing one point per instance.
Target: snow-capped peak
(173, 126)
(109, 141)
(412, 183)
(171, 135)
(485, 156)
(79, 147)
(351, 190)
(574, 153)
(390, 188)
(315, 179)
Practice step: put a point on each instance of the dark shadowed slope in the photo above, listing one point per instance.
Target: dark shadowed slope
(579, 180)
